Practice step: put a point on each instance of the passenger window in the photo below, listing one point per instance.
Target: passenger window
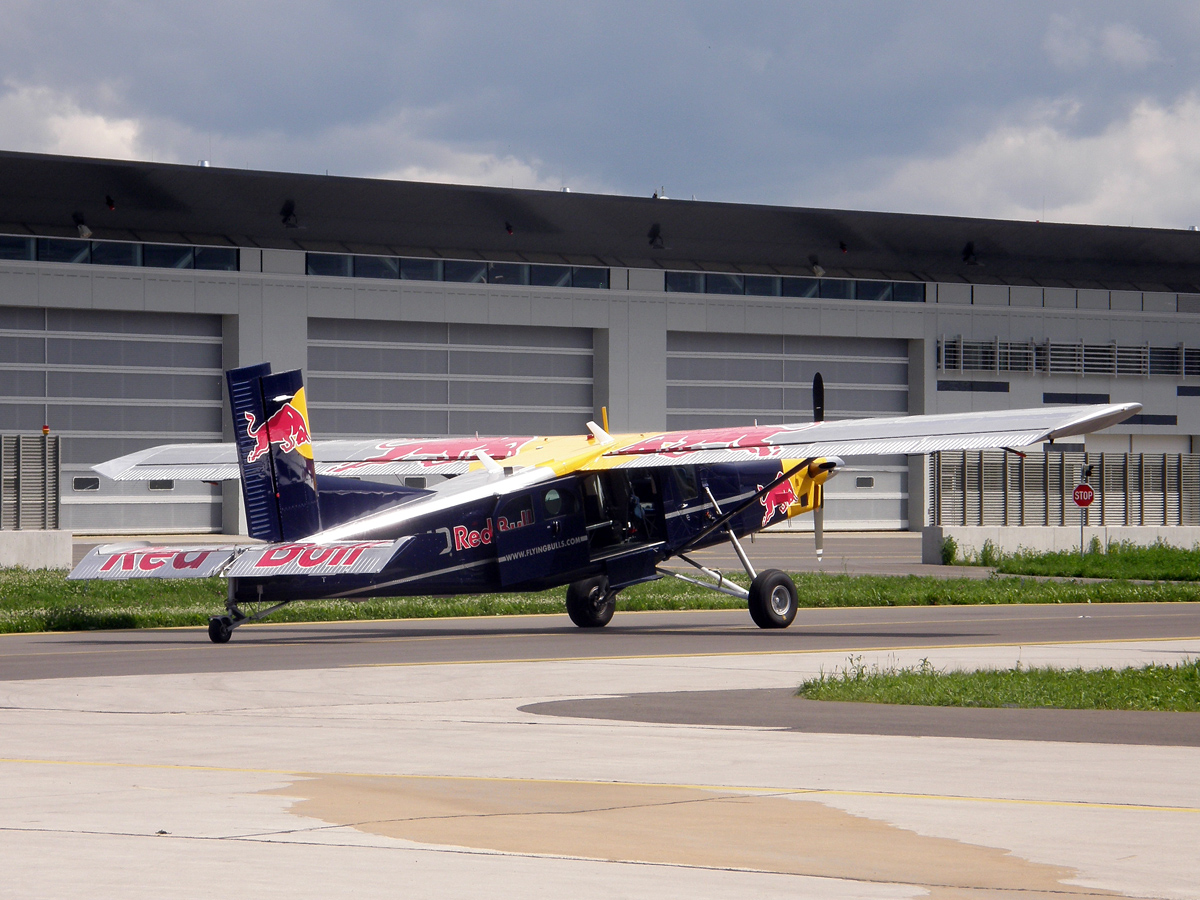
(516, 513)
(558, 503)
(685, 483)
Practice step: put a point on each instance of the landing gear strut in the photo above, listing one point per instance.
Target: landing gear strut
(220, 628)
(772, 598)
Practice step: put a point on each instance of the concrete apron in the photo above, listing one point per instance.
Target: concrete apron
(430, 778)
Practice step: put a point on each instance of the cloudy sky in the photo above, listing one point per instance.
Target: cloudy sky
(1080, 112)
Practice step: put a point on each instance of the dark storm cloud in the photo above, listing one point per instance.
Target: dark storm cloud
(766, 102)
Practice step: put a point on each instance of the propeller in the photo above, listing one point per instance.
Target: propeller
(818, 390)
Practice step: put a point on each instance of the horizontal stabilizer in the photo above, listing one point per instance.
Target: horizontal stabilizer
(117, 562)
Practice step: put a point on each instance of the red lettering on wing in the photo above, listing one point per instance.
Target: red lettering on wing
(193, 559)
(278, 556)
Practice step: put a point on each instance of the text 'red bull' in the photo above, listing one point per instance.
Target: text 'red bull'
(287, 428)
(155, 558)
(309, 556)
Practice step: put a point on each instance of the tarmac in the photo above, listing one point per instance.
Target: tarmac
(660, 774)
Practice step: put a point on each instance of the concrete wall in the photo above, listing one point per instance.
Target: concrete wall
(36, 549)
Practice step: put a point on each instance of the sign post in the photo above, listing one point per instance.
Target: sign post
(1084, 495)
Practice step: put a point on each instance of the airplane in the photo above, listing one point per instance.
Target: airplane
(597, 512)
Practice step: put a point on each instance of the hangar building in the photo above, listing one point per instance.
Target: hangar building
(424, 309)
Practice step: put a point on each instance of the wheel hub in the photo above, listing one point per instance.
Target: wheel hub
(781, 600)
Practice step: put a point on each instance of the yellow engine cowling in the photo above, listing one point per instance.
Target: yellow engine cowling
(807, 484)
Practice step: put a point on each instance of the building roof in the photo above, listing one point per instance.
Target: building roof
(159, 202)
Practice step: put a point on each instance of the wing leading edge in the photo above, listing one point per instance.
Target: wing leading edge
(867, 437)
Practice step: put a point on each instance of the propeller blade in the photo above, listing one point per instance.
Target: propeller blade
(818, 398)
(819, 527)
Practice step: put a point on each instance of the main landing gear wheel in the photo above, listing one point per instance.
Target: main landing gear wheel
(590, 603)
(773, 599)
(220, 629)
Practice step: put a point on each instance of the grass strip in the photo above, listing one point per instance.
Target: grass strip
(43, 600)
(1157, 562)
(1161, 688)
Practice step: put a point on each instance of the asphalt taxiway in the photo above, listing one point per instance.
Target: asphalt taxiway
(665, 755)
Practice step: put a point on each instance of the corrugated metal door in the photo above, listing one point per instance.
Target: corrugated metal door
(109, 383)
(419, 379)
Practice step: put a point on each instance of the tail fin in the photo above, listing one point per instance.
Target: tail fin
(270, 423)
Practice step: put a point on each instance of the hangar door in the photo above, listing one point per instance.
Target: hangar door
(735, 379)
(389, 379)
(109, 383)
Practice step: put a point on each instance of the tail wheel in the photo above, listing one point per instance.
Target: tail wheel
(220, 629)
(590, 603)
(773, 599)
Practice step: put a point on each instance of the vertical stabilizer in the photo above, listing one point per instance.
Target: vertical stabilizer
(270, 423)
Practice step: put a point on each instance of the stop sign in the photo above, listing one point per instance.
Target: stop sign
(1084, 495)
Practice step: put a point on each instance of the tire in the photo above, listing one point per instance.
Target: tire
(590, 603)
(220, 629)
(773, 599)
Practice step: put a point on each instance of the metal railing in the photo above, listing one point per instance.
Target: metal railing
(29, 482)
(993, 487)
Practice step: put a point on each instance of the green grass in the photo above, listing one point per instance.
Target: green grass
(1170, 688)
(46, 601)
(1158, 562)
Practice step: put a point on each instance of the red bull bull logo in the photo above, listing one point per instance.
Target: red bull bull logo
(288, 428)
(777, 500)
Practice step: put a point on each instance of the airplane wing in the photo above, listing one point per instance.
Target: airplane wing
(864, 437)
(218, 462)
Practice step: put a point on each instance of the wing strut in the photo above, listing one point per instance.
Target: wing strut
(722, 519)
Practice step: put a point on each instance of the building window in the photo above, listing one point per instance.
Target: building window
(161, 484)
(332, 264)
(507, 273)
(722, 283)
(908, 291)
(589, 277)
(421, 269)
(464, 271)
(165, 256)
(63, 250)
(16, 247)
(115, 253)
(801, 287)
(763, 285)
(864, 481)
(550, 276)
(685, 282)
(984, 387)
(376, 267)
(217, 259)
(85, 483)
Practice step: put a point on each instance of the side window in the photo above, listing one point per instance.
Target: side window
(559, 503)
(685, 483)
(516, 513)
